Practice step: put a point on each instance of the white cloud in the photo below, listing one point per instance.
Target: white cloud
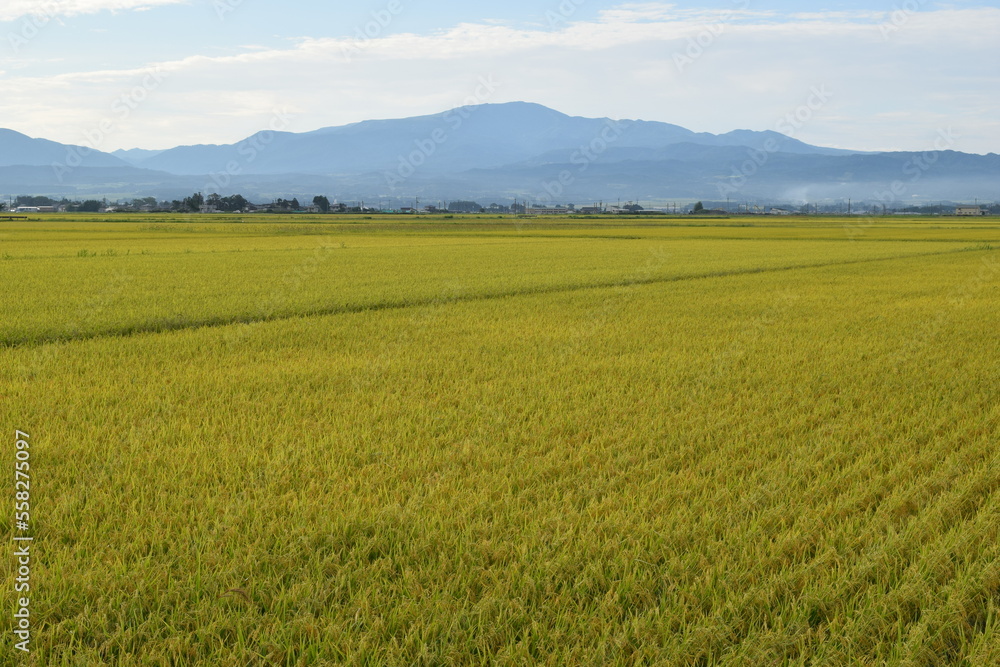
(890, 91)
(846, 16)
(649, 11)
(11, 10)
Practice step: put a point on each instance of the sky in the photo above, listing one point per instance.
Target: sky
(887, 75)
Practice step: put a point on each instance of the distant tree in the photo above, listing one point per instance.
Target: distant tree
(90, 206)
(194, 202)
(464, 207)
(698, 208)
(323, 203)
(286, 204)
(234, 203)
(3, 206)
(34, 201)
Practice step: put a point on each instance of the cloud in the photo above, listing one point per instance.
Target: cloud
(840, 16)
(748, 70)
(12, 10)
(633, 12)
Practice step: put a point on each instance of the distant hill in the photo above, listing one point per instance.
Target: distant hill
(135, 155)
(497, 152)
(480, 137)
(19, 149)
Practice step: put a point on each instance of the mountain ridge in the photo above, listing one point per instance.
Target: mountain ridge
(516, 149)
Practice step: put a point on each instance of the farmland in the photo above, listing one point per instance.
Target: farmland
(490, 441)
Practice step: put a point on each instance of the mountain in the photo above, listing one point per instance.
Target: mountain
(497, 152)
(474, 137)
(739, 173)
(19, 149)
(135, 155)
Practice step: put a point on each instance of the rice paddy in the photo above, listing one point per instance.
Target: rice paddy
(467, 441)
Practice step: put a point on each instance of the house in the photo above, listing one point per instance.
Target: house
(969, 210)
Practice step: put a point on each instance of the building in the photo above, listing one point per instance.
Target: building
(27, 209)
(969, 210)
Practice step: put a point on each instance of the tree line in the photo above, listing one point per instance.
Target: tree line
(194, 203)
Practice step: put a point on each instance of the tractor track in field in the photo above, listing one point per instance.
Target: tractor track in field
(167, 326)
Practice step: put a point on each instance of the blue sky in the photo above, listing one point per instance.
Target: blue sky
(893, 75)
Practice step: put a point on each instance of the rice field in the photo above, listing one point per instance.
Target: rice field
(505, 442)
